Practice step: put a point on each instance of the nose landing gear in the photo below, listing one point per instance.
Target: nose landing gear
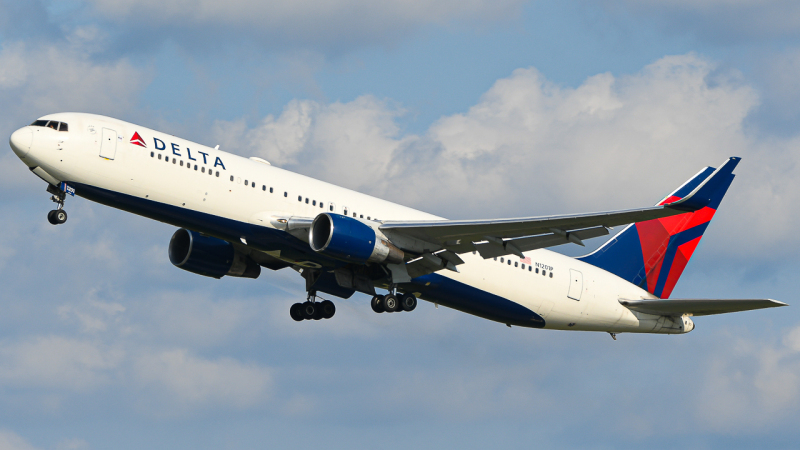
(58, 215)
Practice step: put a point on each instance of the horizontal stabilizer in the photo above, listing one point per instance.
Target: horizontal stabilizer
(698, 306)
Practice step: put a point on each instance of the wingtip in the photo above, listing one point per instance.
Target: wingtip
(777, 303)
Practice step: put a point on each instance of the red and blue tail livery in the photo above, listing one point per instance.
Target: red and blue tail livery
(654, 253)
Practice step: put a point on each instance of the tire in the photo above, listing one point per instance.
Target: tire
(327, 308)
(51, 217)
(60, 215)
(309, 309)
(408, 302)
(390, 303)
(296, 311)
(377, 304)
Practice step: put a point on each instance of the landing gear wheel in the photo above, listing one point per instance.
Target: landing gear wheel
(57, 216)
(327, 309)
(296, 311)
(309, 309)
(377, 304)
(408, 302)
(390, 303)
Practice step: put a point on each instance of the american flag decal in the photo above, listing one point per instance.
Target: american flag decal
(137, 140)
(526, 260)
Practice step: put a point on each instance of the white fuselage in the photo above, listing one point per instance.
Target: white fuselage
(567, 293)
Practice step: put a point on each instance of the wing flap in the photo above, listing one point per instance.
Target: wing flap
(697, 306)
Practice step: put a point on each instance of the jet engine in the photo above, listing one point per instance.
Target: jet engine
(209, 256)
(351, 240)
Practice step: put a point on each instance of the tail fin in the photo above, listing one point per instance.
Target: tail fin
(653, 254)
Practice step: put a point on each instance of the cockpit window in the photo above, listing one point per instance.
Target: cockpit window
(58, 126)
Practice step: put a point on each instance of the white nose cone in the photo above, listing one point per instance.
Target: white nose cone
(20, 141)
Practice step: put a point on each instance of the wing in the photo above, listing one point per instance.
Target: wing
(496, 237)
(698, 307)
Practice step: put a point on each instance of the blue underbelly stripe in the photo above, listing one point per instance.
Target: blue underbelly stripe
(433, 287)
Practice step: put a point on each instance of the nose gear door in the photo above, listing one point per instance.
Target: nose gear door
(108, 146)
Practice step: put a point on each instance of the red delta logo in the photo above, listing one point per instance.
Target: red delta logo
(136, 139)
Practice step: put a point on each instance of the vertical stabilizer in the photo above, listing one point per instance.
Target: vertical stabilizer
(653, 254)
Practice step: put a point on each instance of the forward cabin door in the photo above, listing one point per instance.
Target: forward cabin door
(575, 284)
(108, 147)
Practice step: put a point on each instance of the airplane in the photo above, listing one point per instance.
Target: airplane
(237, 215)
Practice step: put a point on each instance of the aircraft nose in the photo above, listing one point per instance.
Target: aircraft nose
(20, 141)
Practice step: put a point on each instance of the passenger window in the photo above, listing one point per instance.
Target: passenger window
(502, 260)
(263, 188)
(537, 270)
(551, 274)
(195, 167)
(175, 161)
(544, 272)
(314, 203)
(203, 169)
(218, 174)
(152, 154)
(231, 177)
(523, 267)
(361, 217)
(509, 262)
(299, 198)
(285, 194)
(159, 156)
(530, 268)
(330, 206)
(321, 205)
(344, 210)
(63, 127)
(495, 258)
(253, 185)
(181, 163)
(270, 190)
(306, 200)
(245, 182)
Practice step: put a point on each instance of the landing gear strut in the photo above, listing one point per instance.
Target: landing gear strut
(58, 215)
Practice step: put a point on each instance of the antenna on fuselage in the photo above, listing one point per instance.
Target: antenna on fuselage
(216, 147)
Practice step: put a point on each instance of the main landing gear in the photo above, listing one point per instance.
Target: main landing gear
(393, 302)
(312, 310)
(58, 215)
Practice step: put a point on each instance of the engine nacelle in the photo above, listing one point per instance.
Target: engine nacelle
(209, 256)
(351, 240)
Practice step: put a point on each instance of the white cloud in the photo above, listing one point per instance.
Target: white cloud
(12, 441)
(190, 381)
(46, 78)
(57, 362)
(751, 385)
(531, 147)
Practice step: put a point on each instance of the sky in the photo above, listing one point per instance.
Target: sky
(465, 109)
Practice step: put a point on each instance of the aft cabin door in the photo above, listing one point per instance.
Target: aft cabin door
(575, 284)
(108, 147)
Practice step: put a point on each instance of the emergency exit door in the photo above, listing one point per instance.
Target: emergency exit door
(108, 147)
(575, 284)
